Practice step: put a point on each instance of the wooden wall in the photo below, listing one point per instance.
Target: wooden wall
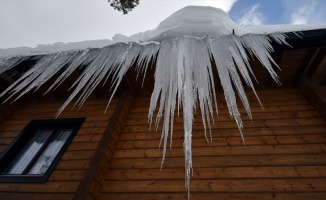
(284, 156)
(66, 177)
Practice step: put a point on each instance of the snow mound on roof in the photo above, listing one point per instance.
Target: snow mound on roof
(195, 21)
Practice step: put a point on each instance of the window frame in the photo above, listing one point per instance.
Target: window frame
(7, 156)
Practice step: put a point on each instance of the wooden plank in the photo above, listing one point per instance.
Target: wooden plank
(216, 133)
(224, 110)
(290, 100)
(221, 133)
(228, 141)
(77, 155)
(67, 175)
(35, 196)
(24, 120)
(83, 131)
(233, 185)
(211, 195)
(85, 146)
(224, 151)
(53, 111)
(136, 118)
(51, 115)
(222, 161)
(91, 131)
(72, 164)
(86, 124)
(233, 125)
(264, 95)
(87, 138)
(49, 187)
(217, 173)
(58, 104)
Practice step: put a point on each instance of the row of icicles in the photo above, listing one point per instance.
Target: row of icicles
(183, 77)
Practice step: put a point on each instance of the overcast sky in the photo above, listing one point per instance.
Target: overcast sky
(33, 22)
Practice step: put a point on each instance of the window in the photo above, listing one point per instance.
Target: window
(33, 155)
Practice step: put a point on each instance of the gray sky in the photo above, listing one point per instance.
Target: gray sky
(33, 22)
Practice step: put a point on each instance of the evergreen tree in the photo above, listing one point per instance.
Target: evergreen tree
(124, 5)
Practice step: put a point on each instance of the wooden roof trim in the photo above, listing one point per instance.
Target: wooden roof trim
(308, 65)
(320, 71)
(303, 40)
(313, 92)
(314, 62)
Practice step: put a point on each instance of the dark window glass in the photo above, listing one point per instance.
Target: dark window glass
(35, 152)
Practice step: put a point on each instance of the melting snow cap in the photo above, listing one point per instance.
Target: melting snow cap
(195, 21)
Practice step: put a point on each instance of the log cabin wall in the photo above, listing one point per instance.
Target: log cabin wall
(67, 175)
(284, 156)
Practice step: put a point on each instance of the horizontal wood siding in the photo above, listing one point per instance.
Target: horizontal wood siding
(284, 156)
(65, 179)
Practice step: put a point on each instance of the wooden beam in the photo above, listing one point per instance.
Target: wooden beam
(308, 68)
(6, 109)
(315, 63)
(117, 119)
(127, 80)
(320, 72)
(315, 95)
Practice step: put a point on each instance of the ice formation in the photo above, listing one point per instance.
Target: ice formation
(183, 47)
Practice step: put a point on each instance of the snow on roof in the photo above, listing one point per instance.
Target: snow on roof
(52, 48)
(199, 21)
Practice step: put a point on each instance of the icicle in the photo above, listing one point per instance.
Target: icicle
(183, 74)
(93, 74)
(40, 73)
(81, 60)
(259, 45)
(112, 61)
(224, 61)
(164, 85)
(148, 53)
(10, 62)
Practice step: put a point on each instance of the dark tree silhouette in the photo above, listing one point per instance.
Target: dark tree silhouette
(124, 5)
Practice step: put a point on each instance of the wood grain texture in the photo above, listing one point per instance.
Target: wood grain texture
(284, 156)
